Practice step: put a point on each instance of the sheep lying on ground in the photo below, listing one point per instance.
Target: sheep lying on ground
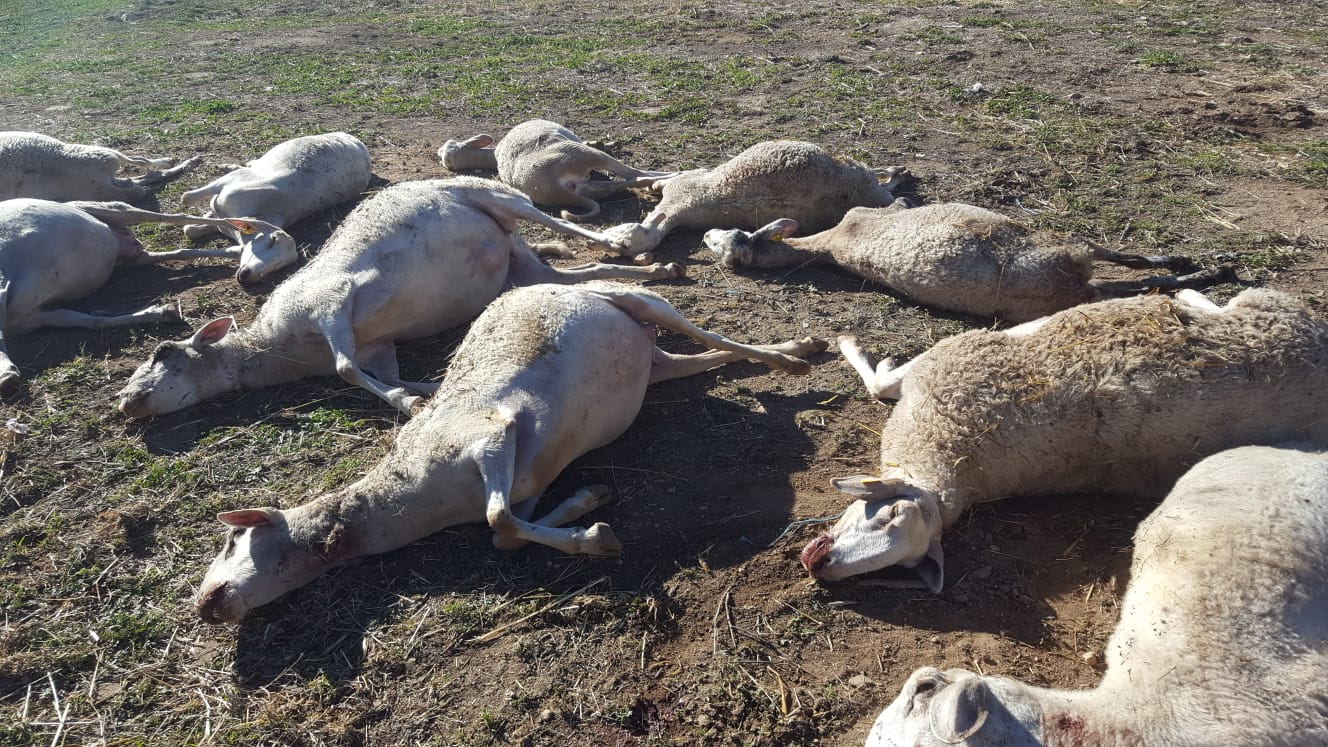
(775, 179)
(545, 374)
(1118, 396)
(44, 168)
(956, 257)
(52, 252)
(285, 185)
(550, 164)
(413, 260)
(1221, 639)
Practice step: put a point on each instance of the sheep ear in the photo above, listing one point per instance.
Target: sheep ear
(654, 219)
(777, 230)
(869, 487)
(932, 567)
(212, 332)
(478, 141)
(243, 225)
(958, 711)
(247, 518)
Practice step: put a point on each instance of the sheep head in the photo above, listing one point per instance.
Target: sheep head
(267, 554)
(472, 153)
(735, 247)
(180, 373)
(958, 707)
(891, 523)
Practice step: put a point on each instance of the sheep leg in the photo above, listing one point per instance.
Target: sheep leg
(380, 360)
(1175, 263)
(584, 501)
(195, 196)
(665, 366)
(151, 258)
(124, 214)
(340, 337)
(1200, 279)
(153, 178)
(884, 380)
(585, 203)
(496, 459)
(507, 209)
(527, 269)
(1191, 297)
(70, 318)
(9, 375)
(651, 309)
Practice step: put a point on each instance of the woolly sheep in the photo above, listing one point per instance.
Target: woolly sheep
(42, 167)
(290, 182)
(1118, 396)
(550, 164)
(544, 375)
(774, 179)
(413, 260)
(956, 257)
(51, 252)
(1221, 637)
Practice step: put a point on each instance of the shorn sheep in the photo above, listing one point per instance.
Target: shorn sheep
(550, 164)
(55, 252)
(44, 168)
(774, 179)
(413, 260)
(1118, 396)
(956, 257)
(290, 182)
(544, 375)
(1223, 636)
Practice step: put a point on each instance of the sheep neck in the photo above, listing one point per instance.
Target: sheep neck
(260, 359)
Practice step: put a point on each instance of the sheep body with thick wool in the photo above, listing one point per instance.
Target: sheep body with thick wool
(1116, 397)
(46, 168)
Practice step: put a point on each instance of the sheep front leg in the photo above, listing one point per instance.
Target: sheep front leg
(884, 379)
(70, 318)
(9, 375)
(340, 337)
(665, 366)
(527, 269)
(584, 501)
(495, 457)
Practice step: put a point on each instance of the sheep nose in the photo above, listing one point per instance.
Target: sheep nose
(244, 274)
(817, 553)
(209, 604)
(131, 404)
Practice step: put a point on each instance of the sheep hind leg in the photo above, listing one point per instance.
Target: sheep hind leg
(651, 309)
(1175, 263)
(153, 178)
(665, 366)
(1194, 280)
(584, 501)
(883, 380)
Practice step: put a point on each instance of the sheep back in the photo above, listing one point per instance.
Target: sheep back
(1116, 396)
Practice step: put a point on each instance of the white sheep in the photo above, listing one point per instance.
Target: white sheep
(413, 260)
(1221, 637)
(544, 375)
(42, 167)
(52, 252)
(290, 182)
(1118, 396)
(956, 257)
(774, 179)
(550, 164)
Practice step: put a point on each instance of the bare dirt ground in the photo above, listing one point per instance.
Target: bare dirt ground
(1197, 127)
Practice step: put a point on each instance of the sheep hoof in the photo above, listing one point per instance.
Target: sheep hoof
(599, 540)
(675, 270)
(644, 258)
(9, 380)
(412, 404)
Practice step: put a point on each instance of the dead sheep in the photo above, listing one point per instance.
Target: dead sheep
(413, 260)
(1115, 397)
(544, 375)
(44, 168)
(290, 182)
(550, 164)
(1220, 640)
(774, 179)
(955, 257)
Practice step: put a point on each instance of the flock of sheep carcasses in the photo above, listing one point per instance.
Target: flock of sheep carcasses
(1224, 630)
